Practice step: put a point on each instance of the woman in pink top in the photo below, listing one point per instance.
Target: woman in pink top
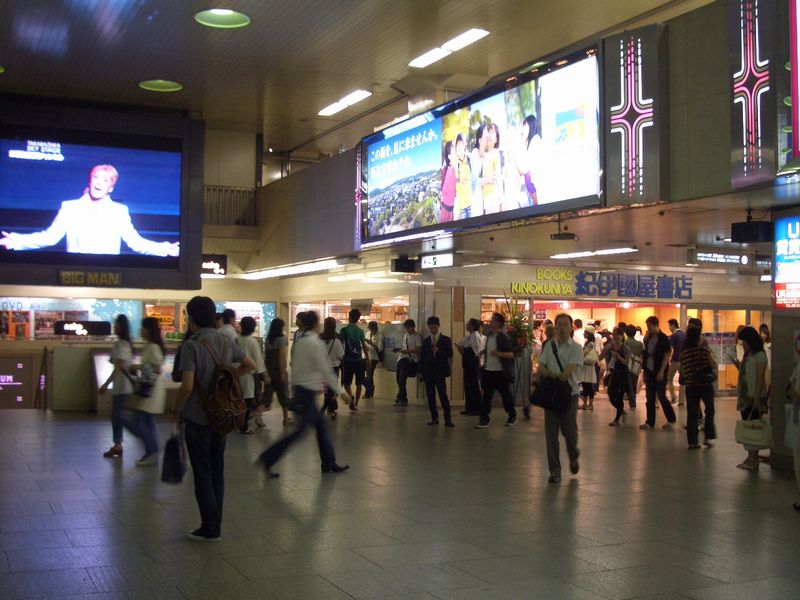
(448, 183)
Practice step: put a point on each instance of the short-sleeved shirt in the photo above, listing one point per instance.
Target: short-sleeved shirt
(352, 337)
(272, 352)
(121, 384)
(196, 358)
(376, 339)
(411, 341)
(250, 347)
(676, 340)
(569, 353)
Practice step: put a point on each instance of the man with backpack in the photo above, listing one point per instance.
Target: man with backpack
(208, 415)
(355, 351)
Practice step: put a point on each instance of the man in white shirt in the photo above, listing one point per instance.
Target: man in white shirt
(93, 224)
(228, 328)
(570, 354)
(407, 363)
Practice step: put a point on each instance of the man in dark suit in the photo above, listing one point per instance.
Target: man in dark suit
(434, 363)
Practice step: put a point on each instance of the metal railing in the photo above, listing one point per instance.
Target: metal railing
(229, 206)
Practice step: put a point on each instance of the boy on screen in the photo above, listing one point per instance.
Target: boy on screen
(93, 224)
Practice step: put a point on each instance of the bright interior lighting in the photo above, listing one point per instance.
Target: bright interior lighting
(430, 57)
(211, 276)
(586, 253)
(332, 109)
(222, 18)
(312, 267)
(465, 39)
(765, 278)
(354, 97)
(222, 12)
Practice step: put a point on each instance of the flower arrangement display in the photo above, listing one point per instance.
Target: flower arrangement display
(518, 329)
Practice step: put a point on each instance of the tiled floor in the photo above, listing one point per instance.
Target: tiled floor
(423, 512)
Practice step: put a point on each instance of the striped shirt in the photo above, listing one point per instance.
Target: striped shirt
(693, 361)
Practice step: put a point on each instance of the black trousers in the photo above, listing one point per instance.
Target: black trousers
(432, 386)
(206, 449)
(496, 381)
(404, 365)
(654, 388)
(472, 385)
(694, 394)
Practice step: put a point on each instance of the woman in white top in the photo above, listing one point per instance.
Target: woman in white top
(752, 388)
(141, 422)
(334, 351)
(120, 381)
(587, 374)
(375, 348)
(252, 383)
(471, 349)
(310, 371)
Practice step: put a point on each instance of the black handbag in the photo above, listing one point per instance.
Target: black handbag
(551, 393)
(174, 466)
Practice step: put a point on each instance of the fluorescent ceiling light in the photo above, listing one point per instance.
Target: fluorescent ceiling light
(348, 100)
(587, 253)
(211, 276)
(765, 278)
(430, 57)
(312, 267)
(465, 39)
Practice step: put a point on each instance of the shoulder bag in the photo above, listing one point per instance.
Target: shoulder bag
(552, 393)
(754, 433)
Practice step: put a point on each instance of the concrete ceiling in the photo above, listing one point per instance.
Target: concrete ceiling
(295, 58)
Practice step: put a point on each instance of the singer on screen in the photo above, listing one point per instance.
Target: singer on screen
(93, 224)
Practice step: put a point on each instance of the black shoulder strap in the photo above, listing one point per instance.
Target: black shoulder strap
(554, 345)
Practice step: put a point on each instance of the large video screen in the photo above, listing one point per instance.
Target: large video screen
(110, 201)
(520, 151)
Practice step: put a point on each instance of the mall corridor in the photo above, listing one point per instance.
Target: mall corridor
(423, 512)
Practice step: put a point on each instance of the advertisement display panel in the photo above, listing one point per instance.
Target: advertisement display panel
(494, 156)
(786, 280)
(111, 201)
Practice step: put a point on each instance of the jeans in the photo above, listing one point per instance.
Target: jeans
(402, 375)
(142, 425)
(370, 383)
(693, 397)
(496, 381)
(567, 422)
(310, 416)
(206, 450)
(617, 386)
(118, 416)
(433, 385)
(654, 388)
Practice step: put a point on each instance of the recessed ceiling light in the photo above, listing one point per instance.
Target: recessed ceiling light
(222, 18)
(430, 57)
(465, 39)
(348, 100)
(160, 85)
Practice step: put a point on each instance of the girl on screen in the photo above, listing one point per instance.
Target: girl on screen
(525, 159)
(463, 180)
(448, 183)
(491, 180)
(476, 168)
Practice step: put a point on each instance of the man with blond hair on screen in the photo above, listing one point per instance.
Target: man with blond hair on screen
(92, 224)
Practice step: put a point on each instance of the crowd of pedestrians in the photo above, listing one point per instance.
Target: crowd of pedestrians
(582, 358)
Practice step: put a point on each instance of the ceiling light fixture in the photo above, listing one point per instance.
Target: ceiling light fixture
(302, 268)
(160, 85)
(222, 18)
(348, 100)
(457, 43)
(587, 253)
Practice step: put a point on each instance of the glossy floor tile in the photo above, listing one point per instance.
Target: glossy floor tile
(423, 512)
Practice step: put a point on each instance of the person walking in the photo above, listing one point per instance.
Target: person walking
(617, 356)
(587, 374)
(355, 351)
(471, 349)
(698, 373)
(334, 352)
(636, 349)
(205, 446)
(407, 363)
(434, 365)
(310, 370)
(497, 373)
(656, 363)
(676, 340)
(120, 382)
(252, 383)
(752, 387)
(374, 356)
(276, 353)
(564, 350)
(141, 421)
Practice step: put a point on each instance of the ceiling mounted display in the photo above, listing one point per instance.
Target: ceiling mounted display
(499, 154)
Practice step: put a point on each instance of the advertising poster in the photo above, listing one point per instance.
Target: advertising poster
(786, 282)
(527, 146)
